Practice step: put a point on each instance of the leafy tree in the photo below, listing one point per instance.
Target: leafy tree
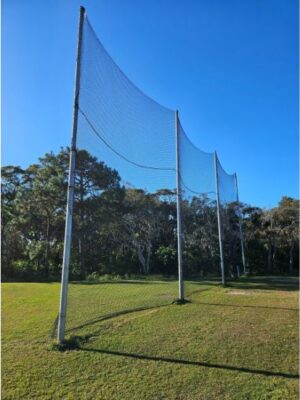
(287, 221)
(97, 193)
(12, 245)
(40, 203)
(121, 230)
(142, 221)
(201, 249)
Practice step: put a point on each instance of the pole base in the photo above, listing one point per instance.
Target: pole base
(181, 301)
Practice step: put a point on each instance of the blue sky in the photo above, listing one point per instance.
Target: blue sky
(230, 67)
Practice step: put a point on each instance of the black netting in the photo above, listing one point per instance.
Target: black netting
(124, 238)
(230, 220)
(199, 213)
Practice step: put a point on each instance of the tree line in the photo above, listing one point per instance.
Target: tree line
(124, 231)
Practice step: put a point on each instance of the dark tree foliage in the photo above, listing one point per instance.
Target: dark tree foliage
(117, 230)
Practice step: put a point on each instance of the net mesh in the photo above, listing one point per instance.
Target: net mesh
(114, 246)
(229, 212)
(199, 218)
(124, 239)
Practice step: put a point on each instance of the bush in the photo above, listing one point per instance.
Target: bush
(97, 277)
(166, 258)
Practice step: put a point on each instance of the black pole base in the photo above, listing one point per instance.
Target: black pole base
(181, 301)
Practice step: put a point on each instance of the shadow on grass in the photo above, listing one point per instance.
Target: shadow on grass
(245, 306)
(263, 284)
(101, 318)
(194, 363)
(288, 283)
(281, 283)
(210, 282)
(115, 314)
(244, 283)
(124, 312)
(271, 278)
(121, 281)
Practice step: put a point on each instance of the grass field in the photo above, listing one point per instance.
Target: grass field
(239, 342)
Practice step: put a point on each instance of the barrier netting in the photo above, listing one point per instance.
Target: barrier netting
(124, 238)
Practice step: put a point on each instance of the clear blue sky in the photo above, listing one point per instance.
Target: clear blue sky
(230, 67)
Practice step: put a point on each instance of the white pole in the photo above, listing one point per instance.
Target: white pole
(240, 225)
(178, 200)
(219, 219)
(70, 196)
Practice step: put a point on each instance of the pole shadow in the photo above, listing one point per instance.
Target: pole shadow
(117, 314)
(193, 363)
(246, 306)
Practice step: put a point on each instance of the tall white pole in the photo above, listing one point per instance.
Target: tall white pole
(178, 200)
(219, 219)
(70, 196)
(240, 225)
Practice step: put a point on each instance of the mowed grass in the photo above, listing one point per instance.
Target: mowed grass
(239, 342)
(89, 302)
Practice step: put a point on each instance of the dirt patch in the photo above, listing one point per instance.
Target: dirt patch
(124, 320)
(241, 292)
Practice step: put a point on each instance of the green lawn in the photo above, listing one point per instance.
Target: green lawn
(240, 342)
